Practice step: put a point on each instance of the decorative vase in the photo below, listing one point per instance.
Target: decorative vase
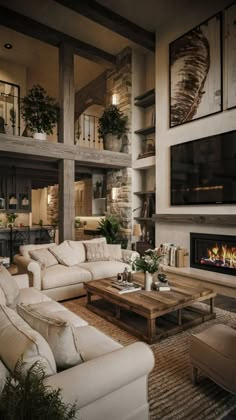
(40, 136)
(112, 143)
(148, 281)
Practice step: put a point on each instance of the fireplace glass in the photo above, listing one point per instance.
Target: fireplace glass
(213, 252)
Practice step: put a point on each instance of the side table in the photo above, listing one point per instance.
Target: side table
(142, 246)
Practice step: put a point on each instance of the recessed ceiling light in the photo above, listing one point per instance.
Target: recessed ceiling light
(8, 46)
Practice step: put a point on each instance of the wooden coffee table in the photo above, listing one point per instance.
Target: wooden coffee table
(151, 315)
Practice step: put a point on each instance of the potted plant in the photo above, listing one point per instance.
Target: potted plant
(110, 227)
(11, 217)
(25, 396)
(40, 112)
(112, 125)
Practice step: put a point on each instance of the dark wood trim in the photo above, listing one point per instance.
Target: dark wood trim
(146, 130)
(111, 20)
(203, 219)
(37, 30)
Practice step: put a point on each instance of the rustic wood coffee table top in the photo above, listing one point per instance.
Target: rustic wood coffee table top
(151, 305)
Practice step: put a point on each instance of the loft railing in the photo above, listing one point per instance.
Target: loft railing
(86, 132)
(9, 112)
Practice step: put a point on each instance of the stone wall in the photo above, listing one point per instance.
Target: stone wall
(53, 205)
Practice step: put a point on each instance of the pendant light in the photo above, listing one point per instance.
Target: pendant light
(12, 196)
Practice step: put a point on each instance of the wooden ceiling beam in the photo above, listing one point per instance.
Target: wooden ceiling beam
(37, 30)
(111, 20)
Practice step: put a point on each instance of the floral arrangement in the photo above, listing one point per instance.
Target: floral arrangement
(149, 262)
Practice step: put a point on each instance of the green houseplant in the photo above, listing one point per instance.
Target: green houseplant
(25, 396)
(39, 111)
(112, 125)
(109, 228)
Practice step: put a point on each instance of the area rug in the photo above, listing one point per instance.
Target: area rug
(171, 393)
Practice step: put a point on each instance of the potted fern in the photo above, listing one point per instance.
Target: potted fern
(40, 112)
(25, 396)
(112, 125)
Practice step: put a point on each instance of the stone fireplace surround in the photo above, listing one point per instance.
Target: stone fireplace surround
(176, 228)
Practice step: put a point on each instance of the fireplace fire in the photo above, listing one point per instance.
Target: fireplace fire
(213, 252)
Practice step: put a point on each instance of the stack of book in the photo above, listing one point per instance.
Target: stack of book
(162, 287)
(125, 287)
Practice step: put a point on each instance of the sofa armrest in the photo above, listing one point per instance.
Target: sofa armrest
(22, 280)
(98, 377)
(36, 271)
(128, 255)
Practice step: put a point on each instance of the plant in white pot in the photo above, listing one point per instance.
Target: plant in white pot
(112, 125)
(40, 112)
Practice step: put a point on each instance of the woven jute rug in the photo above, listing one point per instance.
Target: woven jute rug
(171, 393)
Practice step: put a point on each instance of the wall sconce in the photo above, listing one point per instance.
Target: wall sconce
(114, 193)
(115, 99)
(49, 198)
(137, 230)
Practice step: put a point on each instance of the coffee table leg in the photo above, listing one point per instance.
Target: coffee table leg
(151, 329)
(212, 302)
(117, 312)
(179, 316)
(89, 297)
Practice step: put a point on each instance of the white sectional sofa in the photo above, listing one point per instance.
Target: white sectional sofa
(110, 381)
(74, 262)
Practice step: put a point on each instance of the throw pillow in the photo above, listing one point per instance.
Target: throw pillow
(96, 251)
(3, 376)
(65, 254)
(43, 257)
(114, 251)
(3, 300)
(25, 249)
(60, 334)
(18, 339)
(79, 249)
(9, 287)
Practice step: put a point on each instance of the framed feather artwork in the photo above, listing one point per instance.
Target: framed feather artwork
(230, 55)
(196, 73)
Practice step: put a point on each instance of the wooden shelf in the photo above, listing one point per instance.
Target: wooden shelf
(144, 163)
(144, 219)
(144, 192)
(146, 130)
(145, 100)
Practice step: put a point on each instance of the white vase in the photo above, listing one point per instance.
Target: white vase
(40, 136)
(148, 281)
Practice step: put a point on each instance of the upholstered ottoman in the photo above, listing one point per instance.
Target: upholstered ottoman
(213, 351)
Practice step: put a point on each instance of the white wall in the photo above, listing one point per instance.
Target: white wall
(165, 137)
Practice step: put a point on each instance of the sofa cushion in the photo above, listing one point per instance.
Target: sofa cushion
(31, 295)
(9, 287)
(44, 257)
(114, 251)
(24, 249)
(18, 339)
(96, 251)
(60, 334)
(93, 343)
(65, 254)
(59, 275)
(101, 269)
(78, 248)
(52, 308)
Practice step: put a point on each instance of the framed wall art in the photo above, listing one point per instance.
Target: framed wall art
(196, 73)
(9, 108)
(230, 56)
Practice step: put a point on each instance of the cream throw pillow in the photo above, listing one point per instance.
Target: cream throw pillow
(96, 251)
(18, 339)
(79, 249)
(60, 335)
(9, 287)
(114, 251)
(25, 249)
(43, 257)
(65, 254)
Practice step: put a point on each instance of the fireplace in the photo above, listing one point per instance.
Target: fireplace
(213, 252)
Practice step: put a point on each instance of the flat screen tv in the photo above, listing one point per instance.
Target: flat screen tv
(204, 171)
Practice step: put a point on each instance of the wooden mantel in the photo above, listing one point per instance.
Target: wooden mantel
(202, 219)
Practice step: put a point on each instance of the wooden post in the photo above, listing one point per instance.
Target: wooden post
(67, 94)
(66, 199)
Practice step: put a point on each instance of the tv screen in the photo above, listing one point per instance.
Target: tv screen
(204, 171)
